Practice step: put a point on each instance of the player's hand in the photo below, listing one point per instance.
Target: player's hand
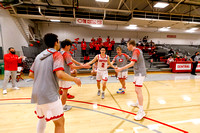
(86, 66)
(77, 81)
(118, 70)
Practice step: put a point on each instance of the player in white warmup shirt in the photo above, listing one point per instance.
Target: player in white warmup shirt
(102, 71)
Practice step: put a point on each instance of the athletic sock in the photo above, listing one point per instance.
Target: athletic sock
(41, 125)
(140, 107)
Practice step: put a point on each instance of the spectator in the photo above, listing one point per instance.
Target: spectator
(194, 60)
(123, 41)
(178, 58)
(86, 58)
(83, 47)
(91, 50)
(108, 39)
(145, 39)
(171, 52)
(154, 56)
(11, 61)
(170, 59)
(184, 58)
(92, 40)
(113, 43)
(97, 47)
(109, 49)
(99, 40)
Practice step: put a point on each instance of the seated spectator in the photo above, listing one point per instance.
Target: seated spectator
(184, 58)
(154, 56)
(171, 52)
(94, 70)
(178, 58)
(86, 58)
(170, 59)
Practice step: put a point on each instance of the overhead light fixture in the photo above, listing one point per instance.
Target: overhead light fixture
(96, 25)
(132, 27)
(192, 30)
(102, 0)
(161, 5)
(55, 20)
(164, 29)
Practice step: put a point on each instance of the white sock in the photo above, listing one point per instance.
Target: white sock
(99, 90)
(122, 89)
(41, 125)
(103, 91)
(140, 107)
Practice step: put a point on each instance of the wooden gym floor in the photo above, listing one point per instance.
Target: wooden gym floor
(172, 106)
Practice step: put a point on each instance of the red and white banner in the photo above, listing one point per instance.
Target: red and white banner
(183, 66)
(198, 66)
(89, 21)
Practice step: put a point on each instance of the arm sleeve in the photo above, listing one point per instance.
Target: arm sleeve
(135, 55)
(58, 62)
(32, 67)
(127, 57)
(67, 59)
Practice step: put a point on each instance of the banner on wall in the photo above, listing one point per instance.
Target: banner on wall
(89, 21)
(183, 66)
(171, 36)
(198, 66)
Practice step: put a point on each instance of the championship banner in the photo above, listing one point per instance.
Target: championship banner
(183, 66)
(89, 21)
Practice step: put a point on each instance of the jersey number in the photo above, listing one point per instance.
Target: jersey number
(102, 65)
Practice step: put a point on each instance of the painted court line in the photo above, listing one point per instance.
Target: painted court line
(113, 109)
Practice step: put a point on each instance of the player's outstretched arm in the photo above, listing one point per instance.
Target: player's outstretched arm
(64, 76)
(125, 67)
(93, 61)
(110, 64)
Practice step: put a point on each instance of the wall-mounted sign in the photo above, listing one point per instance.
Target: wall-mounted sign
(89, 21)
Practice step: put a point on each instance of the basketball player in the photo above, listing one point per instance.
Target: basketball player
(94, 70)
(46, 69)
(140, 72)
(102, 72)
(121, 60)
(68, 65)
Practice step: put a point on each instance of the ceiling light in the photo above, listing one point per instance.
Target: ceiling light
(54, 20)
(161, 5)
(192, 30)
(96, 25)
(102, 0)
(132, 27)
(164, 29)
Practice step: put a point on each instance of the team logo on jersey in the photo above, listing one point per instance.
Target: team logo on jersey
(120, 60)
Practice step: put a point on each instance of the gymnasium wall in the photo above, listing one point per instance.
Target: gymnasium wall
(66, 31)
(11, 35)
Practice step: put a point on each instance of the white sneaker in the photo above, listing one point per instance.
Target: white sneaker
(67, 107)
(4, 92)
(140, 115)
(134, 104)
(15, 88)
